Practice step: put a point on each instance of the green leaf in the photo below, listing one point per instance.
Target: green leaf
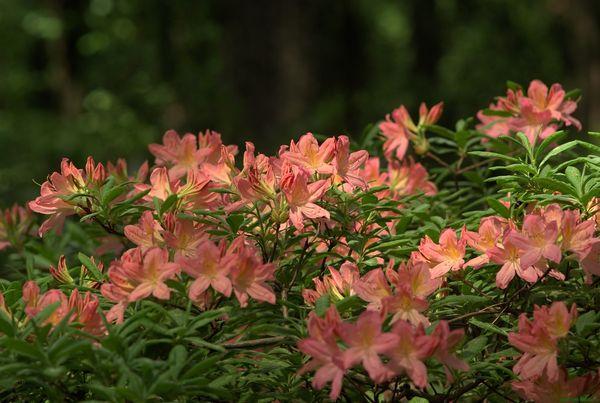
(586, 322)
(87, 262)
(554, 137)
(322, 304)
(488, 326)
(574, 176)
(490, 154)
(557, 150)
(498, 207)
(168, 203)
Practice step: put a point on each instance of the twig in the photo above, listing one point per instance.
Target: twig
(255, 343)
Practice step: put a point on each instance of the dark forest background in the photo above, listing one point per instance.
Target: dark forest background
(107, 77)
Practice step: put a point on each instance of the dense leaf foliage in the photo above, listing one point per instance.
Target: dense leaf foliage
(421, 262)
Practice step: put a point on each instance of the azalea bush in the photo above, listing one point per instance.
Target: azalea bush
(418, 263)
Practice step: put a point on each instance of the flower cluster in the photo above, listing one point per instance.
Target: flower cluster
(536, 114)
(527, 252)
(335, 346)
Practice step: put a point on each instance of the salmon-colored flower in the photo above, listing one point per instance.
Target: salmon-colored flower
(554, 101)
(366, 342)
(147, 233)
(413, 274)
(508, 254)
(249, 274)
(308, 154)
(398, 128)
(485, 239)
(326, 356)
(540, 241)
(538, 340)
(182, 235)
(180, 154)
(60, 272)
(138, 275)
(162, 186)
(413, 346)
(408, 178)
(346, 165)
(373, 287)
(209, 267)
(301, 196)
(446, 342)
(563, 389)
(447, 255)
(406, 306)
(15, 225)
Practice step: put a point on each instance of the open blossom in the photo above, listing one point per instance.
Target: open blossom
(326, 355)
(537, 339)
(535, 114)
(413, 346)
(146, 233)
(179, 153)
(249, 274)
(373, 287)
(446, 342)
(308, 154)
(139, 274)
(408, 178)
(209, 267)
(301, 196)
(182, 235)
(414, 274)
(563, 389)
(366, 342)
(445, 256)
(406, 306)
(485, 239)
(508, 254)
(59, 194)
(540, 241)
(257, 181)
(576, 235)
(346, 165)
(162, 185)
(338, 284)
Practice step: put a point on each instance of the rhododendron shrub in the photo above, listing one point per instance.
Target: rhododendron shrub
(415, 262)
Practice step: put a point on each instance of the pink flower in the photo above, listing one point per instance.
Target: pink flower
(182, 235)
(409, 352)
(485, 239)
(447, 255)
(399, 128)
(249, 274)
(406, 306)
(346, 165)
(365, 342)
(209, 267)
(396, 133)
(408, 178)
(509, 256)
(138, 275)
(180, 154)
(538, 340)
(61, 273)
(577, 235)
(540, 241)
(146, 233)
(416, 275)
(309, 155)
(553, 101)
(15, 225)
(301, 196)
(563, 389)
(326, 356)
(58, 196)
(373, 287)
(446, 342)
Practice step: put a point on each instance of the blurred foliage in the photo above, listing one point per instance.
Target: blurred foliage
(106, 77)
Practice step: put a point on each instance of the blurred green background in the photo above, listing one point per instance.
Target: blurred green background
(107, 77)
